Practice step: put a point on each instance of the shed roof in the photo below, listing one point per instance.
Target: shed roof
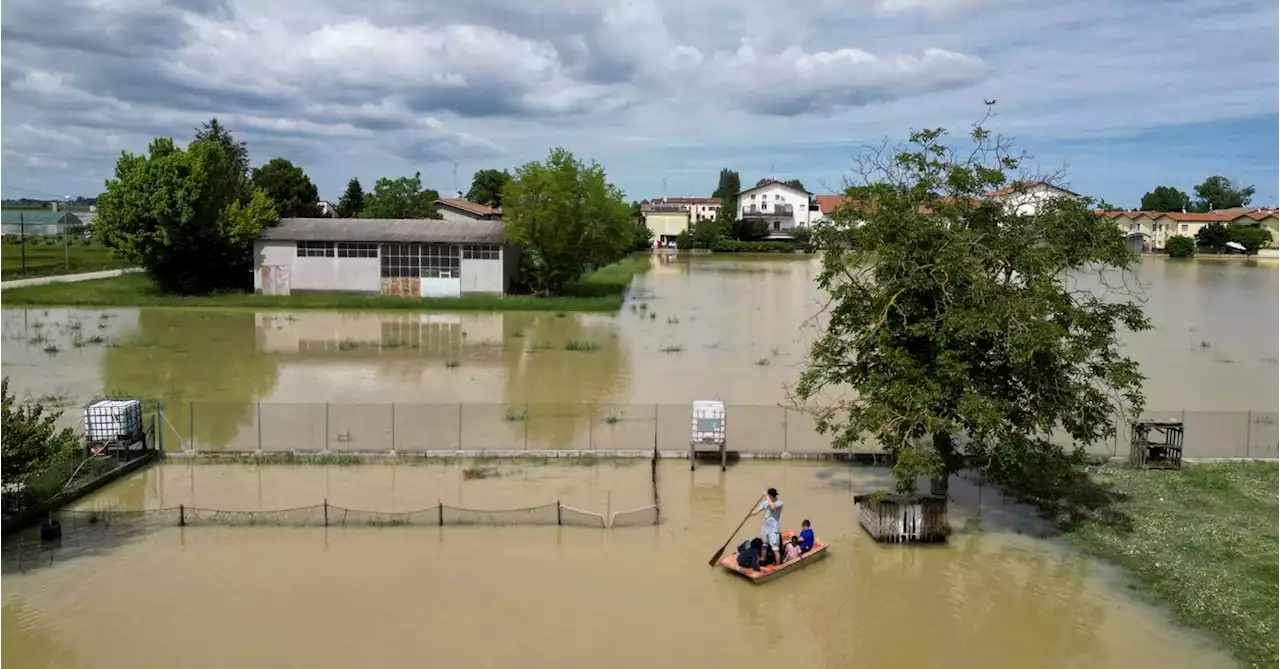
(37, 217)
(386, 230)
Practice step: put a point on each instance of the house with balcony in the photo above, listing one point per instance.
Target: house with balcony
(781, 207)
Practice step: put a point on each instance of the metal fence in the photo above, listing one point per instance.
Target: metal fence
(270, 427)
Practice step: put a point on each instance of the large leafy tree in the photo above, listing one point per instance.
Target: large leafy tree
(1252, 238)
(352, 200)
(487, 185)
(236, 150)
(289, 188)
(1213, 235)
(1219, 192)
(951, 329)
(1165, 198)
(566, 217)
(30, 443)
(400, 198)
(188, 217)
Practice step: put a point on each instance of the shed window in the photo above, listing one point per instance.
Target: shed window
(357, 250)
(480, 252)
(315, 249)
(420, 260)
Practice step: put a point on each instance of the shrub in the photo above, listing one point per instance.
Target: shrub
(804, 239)
(1180, 246)
(684, 241)
(1251, 238)
(735, 246)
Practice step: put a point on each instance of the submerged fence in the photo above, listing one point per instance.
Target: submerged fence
(265, 427)
(330, 515)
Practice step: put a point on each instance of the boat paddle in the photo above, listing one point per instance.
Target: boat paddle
(716, 558)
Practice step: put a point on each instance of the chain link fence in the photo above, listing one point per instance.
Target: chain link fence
(410, 428)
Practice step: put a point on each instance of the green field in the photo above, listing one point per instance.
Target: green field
(604, 290)
(1201, 541)
(44, 259)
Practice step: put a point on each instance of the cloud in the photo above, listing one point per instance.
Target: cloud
(651, 88)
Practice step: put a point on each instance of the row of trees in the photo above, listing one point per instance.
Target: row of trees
(1215, 192)
(1215, 236)
(404, 197)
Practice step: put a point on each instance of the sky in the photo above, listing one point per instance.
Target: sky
(1117, 96)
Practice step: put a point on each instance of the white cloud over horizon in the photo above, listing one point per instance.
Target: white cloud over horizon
(654, 89)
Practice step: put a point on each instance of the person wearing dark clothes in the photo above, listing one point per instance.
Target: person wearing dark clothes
(749, 554)
(806, 536)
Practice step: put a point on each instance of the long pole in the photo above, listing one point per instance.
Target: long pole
(716, 558)
(66, 237)
(22, 232)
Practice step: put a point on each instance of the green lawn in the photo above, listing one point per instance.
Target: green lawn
(604, 290)
(1202, 541)
(51, 259)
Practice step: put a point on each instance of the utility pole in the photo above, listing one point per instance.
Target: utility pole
(22, 232)
(66, 237)
(455, 179)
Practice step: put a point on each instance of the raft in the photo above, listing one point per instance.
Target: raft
(771, 572)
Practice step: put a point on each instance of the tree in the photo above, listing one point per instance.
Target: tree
(1180, 246)
(30, 443)
(400, 198)
(1250, 237)
(1218, 192)
(748, 229)
(729, 185)
(352, 201)
(238, 152)
(1213, 236)
(707, 233)
(641, 235)
(487, 185)
(953, 332)
(289, 189)
(188, 218)
(566, 217)
(1166, 198)
(1107, 206)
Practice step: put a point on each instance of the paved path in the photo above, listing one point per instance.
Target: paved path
(67, 278)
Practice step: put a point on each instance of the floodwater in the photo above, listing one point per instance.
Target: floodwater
(700, 327)
(210, 596)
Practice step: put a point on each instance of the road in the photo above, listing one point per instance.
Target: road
(67, 278)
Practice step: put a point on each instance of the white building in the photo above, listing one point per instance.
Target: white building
(1025, 199)
(407, 257)
(782, 207)
(698, 208)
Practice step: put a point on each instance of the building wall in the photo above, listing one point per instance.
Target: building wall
(767, 198)
(483, 276)
(667, 223)
(279, 271)
(1027, 203)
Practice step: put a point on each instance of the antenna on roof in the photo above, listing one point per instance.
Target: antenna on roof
(455, 179)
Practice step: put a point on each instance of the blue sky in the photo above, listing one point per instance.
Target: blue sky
(1124, 95)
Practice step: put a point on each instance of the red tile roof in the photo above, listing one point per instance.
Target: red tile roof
(1014, 187)
(1191, 217)
(473, 207)
(685, 200)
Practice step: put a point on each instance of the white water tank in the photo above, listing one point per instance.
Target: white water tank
(708, 422)
(108, 421)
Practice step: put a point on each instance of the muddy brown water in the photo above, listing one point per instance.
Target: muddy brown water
(212, 596)
(700, 327)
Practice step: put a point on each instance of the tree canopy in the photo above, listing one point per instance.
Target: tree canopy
(1213, 236)
(1219, 192)
(953, 332)
(30, 442)
(187, 217)
(352, 200)
(400, 198)
(1166, 198)
(566, 217)
(794, 183)
(487, 185)
(289, 189)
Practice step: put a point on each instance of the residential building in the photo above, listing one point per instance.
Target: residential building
(782, 207)
(327, 209)
(1026, 198)
(458, 209)
(409, 257)
(1150, 230)
(699, 208)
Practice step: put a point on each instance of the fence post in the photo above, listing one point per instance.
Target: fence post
(559, 520)
(591, 433)
(191, 426)
(459, 430)
(526, 427)
(326, 512)
(259, 410)
(159, 426)
(1248, 433)
(440, 511)
(393, 428)
(326, 428)
(182, 515)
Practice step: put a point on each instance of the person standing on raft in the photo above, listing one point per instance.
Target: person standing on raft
(771, 531)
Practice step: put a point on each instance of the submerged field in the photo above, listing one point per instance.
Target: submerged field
(564, 596)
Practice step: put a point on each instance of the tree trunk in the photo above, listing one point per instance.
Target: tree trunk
(946, 451)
